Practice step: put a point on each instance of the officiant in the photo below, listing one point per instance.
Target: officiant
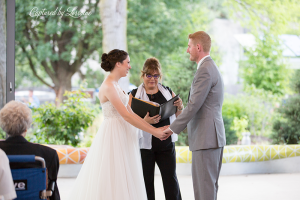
(153, 150)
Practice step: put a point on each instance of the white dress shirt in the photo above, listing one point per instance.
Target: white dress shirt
(201, 61)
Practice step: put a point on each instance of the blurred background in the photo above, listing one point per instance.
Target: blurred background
(59, 43)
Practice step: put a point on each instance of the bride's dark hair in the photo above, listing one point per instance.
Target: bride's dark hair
(108, 61)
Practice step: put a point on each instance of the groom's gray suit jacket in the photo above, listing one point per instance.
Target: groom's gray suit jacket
(203, 113)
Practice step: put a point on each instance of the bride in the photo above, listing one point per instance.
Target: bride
(112, 169)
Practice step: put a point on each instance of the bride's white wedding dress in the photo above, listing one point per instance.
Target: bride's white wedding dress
(112, 169)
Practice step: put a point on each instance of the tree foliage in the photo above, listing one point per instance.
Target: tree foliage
(53, 44)
(264, 67)
(153, 29)
(266, 19)
(93, 78)
(274, 16)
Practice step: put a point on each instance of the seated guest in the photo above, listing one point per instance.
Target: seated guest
(7, 189)
(15, 120)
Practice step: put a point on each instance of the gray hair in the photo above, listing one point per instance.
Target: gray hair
(15, 118)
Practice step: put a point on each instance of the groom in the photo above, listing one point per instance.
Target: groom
(203, 118)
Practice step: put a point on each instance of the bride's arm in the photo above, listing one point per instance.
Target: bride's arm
(131, 111)
(143, 121)
(129, 116)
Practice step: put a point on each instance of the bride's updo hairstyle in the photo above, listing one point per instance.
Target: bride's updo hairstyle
(108, 61)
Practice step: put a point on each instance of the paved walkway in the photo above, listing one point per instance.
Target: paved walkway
(242, 187)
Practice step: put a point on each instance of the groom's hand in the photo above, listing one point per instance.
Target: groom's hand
(168, 131)
(164, 127)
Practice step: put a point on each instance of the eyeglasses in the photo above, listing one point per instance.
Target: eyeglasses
(155, 76)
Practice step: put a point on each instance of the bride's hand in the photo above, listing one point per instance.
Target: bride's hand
(160, 133)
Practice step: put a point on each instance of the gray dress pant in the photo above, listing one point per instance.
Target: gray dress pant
(206, 166)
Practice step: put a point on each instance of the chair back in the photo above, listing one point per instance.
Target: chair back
(30, 183)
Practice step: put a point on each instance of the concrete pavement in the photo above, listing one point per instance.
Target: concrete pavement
(241, 187)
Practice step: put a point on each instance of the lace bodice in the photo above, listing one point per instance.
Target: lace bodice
(109, 110)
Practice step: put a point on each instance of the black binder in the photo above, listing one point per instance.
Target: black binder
(165, 110)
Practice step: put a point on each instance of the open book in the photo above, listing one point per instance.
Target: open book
(165, 110)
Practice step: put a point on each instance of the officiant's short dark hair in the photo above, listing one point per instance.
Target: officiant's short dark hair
(201, 37)
(108, 61)
(150, 65)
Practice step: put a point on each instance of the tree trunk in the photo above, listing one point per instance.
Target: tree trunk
(62, 84)
(2, 53)
(114, 25)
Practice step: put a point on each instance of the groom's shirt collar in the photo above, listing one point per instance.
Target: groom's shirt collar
(201, 61)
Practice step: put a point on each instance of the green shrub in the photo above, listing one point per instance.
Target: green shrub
(295, 82)
(240, 126)
(231, 137)
(285, 133)
(62, 125)
(233, 107)
(286, 128)
(250, 109)
(2, 134)
(183, 139)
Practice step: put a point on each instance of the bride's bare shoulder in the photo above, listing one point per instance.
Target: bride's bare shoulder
(106, 87)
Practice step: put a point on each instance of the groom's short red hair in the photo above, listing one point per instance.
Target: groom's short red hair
(202, 38)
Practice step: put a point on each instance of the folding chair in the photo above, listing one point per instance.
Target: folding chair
(30, 183)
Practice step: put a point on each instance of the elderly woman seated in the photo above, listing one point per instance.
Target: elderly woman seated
(15, 120)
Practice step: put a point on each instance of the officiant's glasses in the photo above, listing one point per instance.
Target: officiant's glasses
(155, 76)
